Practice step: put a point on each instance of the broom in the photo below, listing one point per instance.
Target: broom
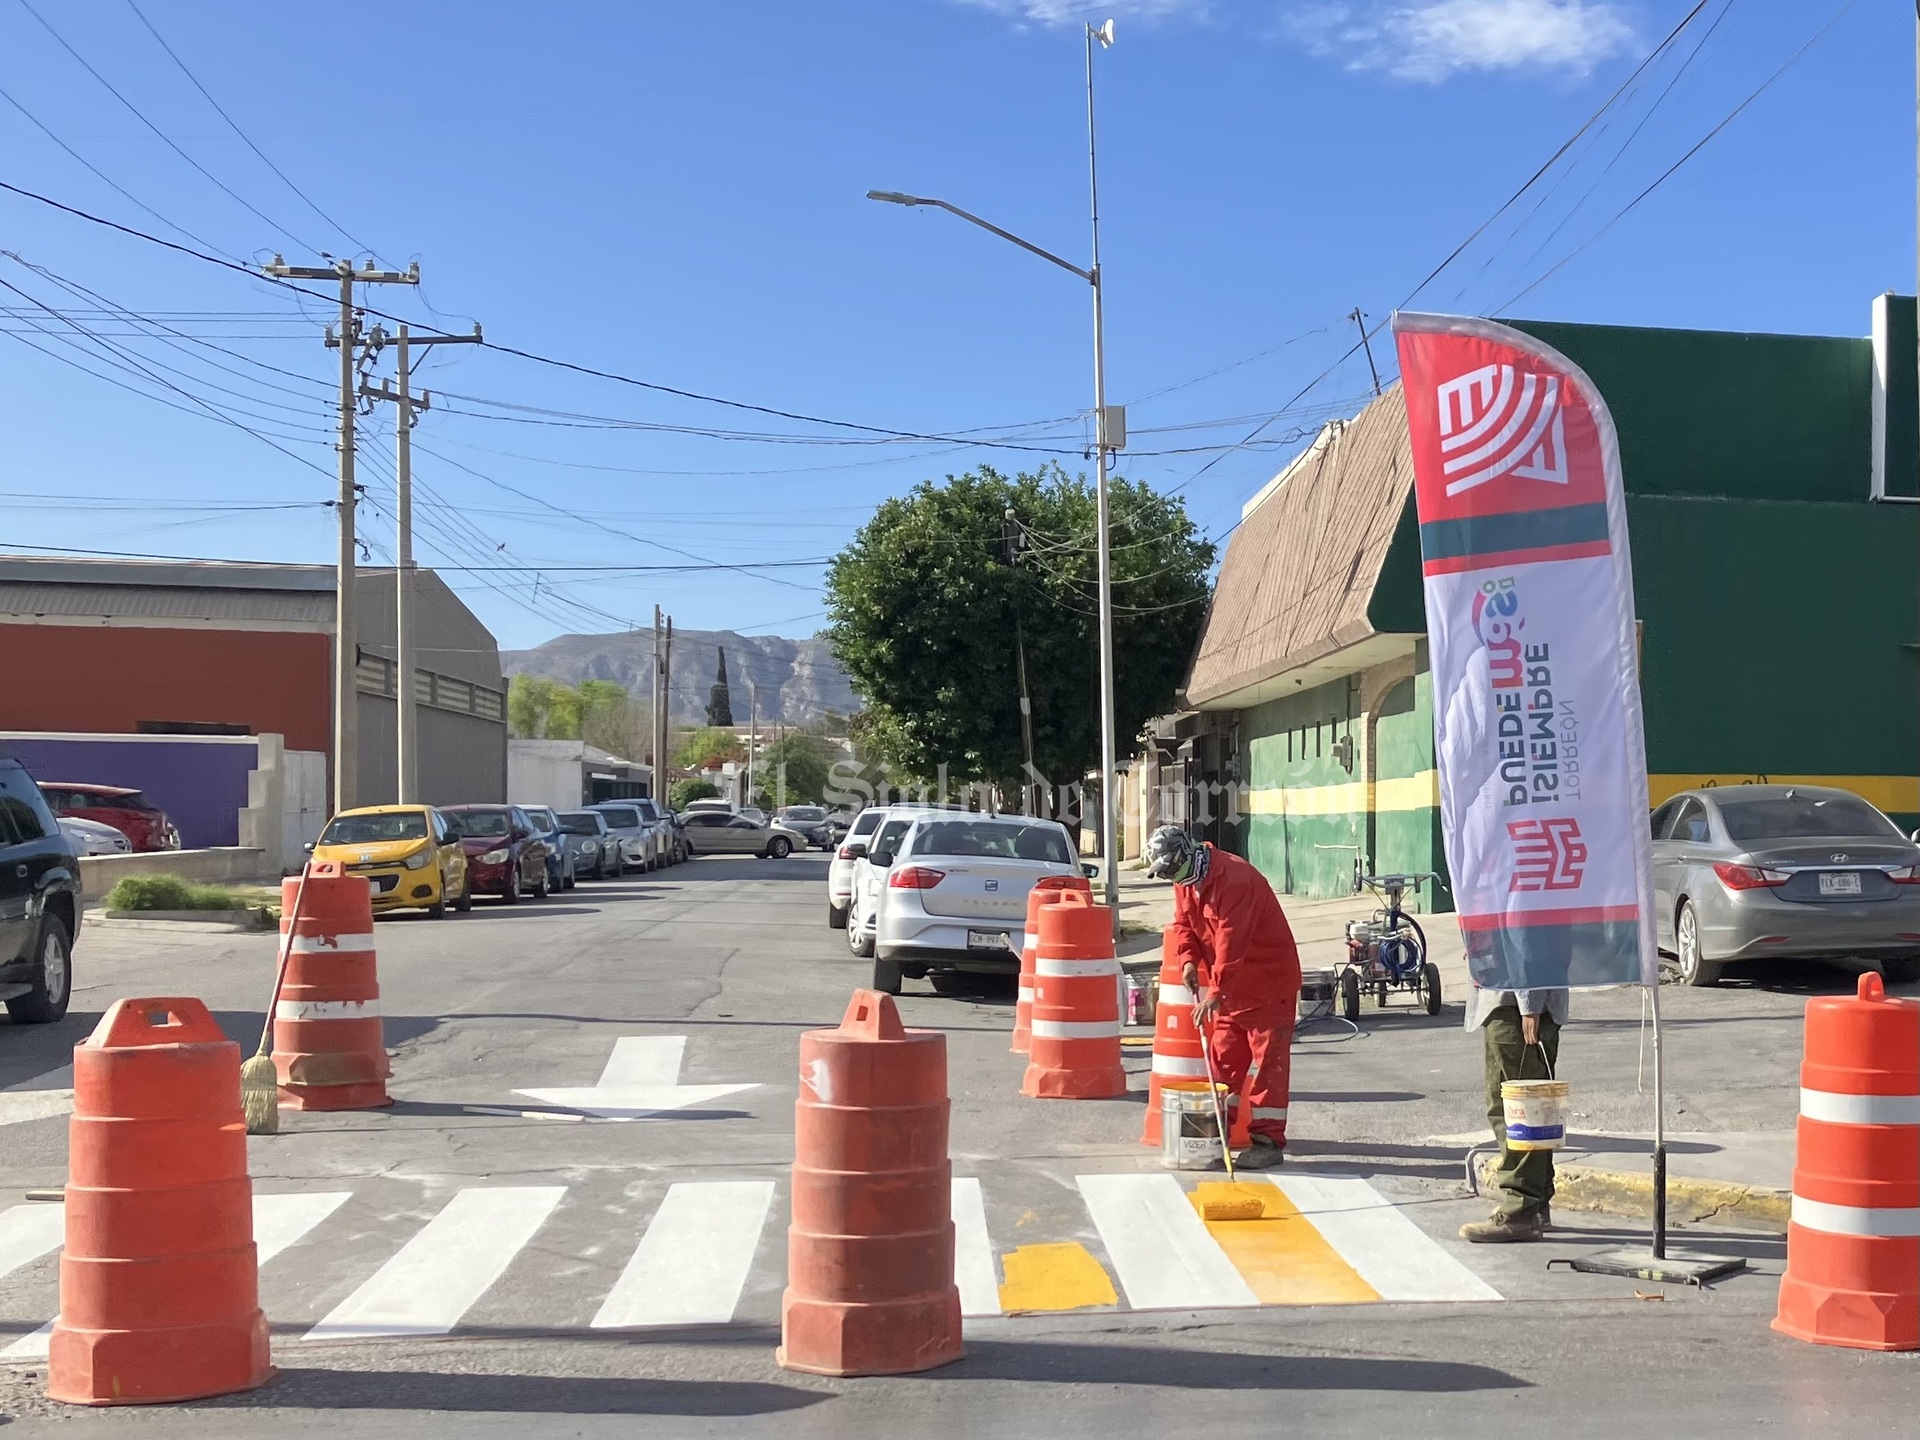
(1229, 1206)
(259, 1085)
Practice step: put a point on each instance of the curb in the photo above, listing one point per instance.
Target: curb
(251, 917)
(1629, 1194)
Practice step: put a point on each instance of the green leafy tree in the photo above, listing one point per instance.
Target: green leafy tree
(720, 699)
(925, 604)
(807, 759)
(709, 746)
(539, 709)
(684, 792)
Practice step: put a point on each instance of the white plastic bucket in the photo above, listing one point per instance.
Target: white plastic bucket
(1535, 1112)
(1189, 1130)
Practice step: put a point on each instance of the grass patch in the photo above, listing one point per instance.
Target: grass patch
(170, 892)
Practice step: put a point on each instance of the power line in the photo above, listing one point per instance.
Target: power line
(234, 125)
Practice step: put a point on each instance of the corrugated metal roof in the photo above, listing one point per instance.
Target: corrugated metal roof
(166, 574)
(133, 602)
(1300, 570)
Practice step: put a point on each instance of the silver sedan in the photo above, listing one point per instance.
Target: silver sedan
(1743, 872)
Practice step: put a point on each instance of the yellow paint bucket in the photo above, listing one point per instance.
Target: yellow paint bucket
(1535, 1113)
(1189, 1128)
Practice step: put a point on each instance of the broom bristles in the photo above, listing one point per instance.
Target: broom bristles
(260, 1096)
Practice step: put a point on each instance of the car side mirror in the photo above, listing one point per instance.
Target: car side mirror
(856, 851)
(882, 858)
(1092, 872)
(1915, 837)
(308, 847)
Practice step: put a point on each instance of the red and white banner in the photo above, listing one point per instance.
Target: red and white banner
(1537, 726)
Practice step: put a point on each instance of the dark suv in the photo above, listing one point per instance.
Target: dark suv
(39, 902)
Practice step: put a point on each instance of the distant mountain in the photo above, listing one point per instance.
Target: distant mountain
(798, 680)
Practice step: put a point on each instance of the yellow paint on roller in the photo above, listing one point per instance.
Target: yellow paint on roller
(1054, 1277)
(1283, 1259)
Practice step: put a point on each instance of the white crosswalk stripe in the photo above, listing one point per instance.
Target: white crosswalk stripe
(694, 1259)
(452, 1262)
(711, 1252)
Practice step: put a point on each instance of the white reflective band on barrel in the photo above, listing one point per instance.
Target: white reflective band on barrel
(1856, 1220)
(1839, 1109)
(1076, 1029)
(1178, 1068)
(1067, 969)
(1026, 994)
(332, 944)
(1175, 994)
(326, 1009)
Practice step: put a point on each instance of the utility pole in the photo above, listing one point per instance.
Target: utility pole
(1015, 540)
(1105, 442)
(1367, 345)
(658, 727)
(666, 685)
(753, 730)
(407, 735)
(346, 649)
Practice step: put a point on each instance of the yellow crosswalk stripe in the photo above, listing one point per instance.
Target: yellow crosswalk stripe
(1054, 1277)
(1283, 1259)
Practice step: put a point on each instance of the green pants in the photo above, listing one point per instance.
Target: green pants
(1524, 1178)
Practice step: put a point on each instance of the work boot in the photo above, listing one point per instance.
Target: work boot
(1505, 1229)
(1261, 1154)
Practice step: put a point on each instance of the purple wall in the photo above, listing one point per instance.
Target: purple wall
(201, 783)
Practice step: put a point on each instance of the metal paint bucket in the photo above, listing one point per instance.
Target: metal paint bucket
(1535, 1113)
(1189, 1130)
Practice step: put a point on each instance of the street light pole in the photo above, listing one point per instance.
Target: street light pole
(1109, 435)
(1109, 831)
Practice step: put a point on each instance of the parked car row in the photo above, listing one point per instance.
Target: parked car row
(144, 824)
(937, 892)
(436, 858)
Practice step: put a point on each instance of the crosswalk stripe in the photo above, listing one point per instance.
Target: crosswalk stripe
(1162, 1252)
(973, 1250)
(278, 1221)
(693, 1262)
(29, 1231)
(1280, 1255)
(644, 1060)
(438, 1274)
(1391, 1253)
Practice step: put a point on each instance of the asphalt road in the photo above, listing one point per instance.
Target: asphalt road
(480, 1261)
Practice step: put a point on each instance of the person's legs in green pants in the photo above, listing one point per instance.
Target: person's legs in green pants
(1524, 1178)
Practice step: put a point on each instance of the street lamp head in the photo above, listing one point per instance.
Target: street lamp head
(894, 197)
(1102, 33)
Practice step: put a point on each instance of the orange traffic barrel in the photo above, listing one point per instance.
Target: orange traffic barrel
(870, 1287)
(1045, 889)
(1176, 1052)
(329, 1046)
(159, 1284)
(1853, 1243)
(1076, 1004)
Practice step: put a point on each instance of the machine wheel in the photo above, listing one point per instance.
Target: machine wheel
(1695, 968)
(1380, 993)
(887, 978)
(1430, 986)
(53, 986)
(1350, 995)
(779, 847)
(836, 916)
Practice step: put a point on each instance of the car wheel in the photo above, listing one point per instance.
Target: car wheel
(541, 887)
(465, 902)
(1430, 985)
(53, 985)
(836, 916)
(512, 895)
(779, 847)
(1350, 995)
(1695, 969)
(859, 942)
(887, 978)
(438, 910)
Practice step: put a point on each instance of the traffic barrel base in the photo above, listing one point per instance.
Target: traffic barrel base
(159, 1281)
(870, 1286)
(1044, 890)
(1076, 1005)
(329, 1043)
(1853, 1244)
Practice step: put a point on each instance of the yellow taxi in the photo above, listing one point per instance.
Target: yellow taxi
(409, 854)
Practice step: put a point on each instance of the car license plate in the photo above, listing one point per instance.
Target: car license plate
(1840, 882)
(987, 940)
(384, 883)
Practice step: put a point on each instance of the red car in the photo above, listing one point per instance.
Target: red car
(505, 854)
(145, 824)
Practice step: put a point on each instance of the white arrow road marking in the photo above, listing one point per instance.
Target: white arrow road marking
(640, 1080)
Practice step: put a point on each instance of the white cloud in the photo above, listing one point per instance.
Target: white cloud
(1434, 40)
(1068, 12)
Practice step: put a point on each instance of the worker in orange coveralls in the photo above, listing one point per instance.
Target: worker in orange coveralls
(1239, 960)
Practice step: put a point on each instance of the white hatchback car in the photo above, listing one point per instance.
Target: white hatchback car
(954, 898)
(843, 870)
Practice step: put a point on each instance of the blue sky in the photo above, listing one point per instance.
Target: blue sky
(675, 193)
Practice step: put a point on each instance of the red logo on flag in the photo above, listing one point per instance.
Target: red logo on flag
(1547, 854)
